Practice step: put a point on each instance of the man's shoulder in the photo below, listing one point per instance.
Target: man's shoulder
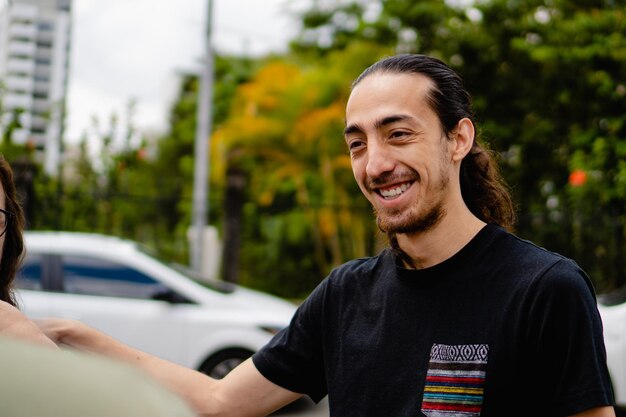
(364, 266)
(526, 251)
(536, 263)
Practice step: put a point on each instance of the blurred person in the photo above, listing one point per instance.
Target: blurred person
(12, 322)
(458, 317)
(45, 381)
(54, 383)
(11, 232)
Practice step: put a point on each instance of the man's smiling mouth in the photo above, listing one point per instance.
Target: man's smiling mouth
(390, 193)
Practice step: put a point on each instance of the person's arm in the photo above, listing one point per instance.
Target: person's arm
(16, 325)
(243, 392)
(597, 412)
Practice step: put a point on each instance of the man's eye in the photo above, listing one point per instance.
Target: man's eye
(398, 134)
(355, 144)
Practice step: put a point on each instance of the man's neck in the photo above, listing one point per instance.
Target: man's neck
(439, 243)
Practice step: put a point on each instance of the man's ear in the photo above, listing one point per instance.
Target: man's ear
(463, 139)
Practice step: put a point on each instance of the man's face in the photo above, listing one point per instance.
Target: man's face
(400, 154)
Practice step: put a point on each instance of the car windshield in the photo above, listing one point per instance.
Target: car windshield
(221, 286)
(213, 284)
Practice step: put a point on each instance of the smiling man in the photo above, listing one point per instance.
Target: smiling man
(458, 317)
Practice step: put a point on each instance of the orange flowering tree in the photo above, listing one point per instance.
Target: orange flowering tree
(302, 210)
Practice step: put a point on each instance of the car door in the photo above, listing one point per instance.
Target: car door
(121, 301)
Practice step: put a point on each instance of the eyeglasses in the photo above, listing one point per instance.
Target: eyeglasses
(5, 218)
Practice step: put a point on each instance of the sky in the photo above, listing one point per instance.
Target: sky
(134, 49)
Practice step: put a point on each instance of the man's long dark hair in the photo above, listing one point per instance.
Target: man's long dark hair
(13, 238)
(484, 191)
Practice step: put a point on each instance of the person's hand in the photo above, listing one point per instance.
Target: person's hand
(14, 324)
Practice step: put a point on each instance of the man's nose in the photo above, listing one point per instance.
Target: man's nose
(379, 160)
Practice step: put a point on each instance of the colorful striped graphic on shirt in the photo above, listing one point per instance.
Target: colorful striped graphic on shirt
(455, 380)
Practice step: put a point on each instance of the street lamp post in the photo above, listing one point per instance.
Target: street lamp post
(201, 184)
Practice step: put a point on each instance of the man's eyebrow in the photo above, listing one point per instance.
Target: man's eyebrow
(353, 128)
(391, 119)
(385, 121)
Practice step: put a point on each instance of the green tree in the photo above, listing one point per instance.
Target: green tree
(548, 86)
(133, 186)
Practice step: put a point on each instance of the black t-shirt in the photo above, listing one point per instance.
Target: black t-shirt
(503, 328)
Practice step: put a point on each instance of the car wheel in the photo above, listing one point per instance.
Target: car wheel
(220, 364)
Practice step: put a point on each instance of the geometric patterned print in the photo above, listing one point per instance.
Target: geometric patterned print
(455, 380)
(453, 353)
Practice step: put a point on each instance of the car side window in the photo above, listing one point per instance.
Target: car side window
(92, 276)
(29, 275)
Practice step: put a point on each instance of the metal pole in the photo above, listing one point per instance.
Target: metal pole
(202, 149)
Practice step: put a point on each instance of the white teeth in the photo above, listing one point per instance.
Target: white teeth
(394, 191)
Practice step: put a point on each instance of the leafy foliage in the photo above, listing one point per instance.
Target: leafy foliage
(130, 186)
(549, 85)
(285, 132)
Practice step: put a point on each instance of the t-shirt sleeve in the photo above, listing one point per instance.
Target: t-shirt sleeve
(570, 352)
(294, 358)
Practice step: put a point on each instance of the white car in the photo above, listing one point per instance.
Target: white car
(113, 285)
(612, 309)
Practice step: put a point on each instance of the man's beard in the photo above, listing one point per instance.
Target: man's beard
(414, 223)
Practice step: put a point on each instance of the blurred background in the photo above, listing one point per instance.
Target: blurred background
(98, 105)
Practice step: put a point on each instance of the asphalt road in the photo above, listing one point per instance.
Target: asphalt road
(304, 408)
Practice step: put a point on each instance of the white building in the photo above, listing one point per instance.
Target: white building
(34, 63)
